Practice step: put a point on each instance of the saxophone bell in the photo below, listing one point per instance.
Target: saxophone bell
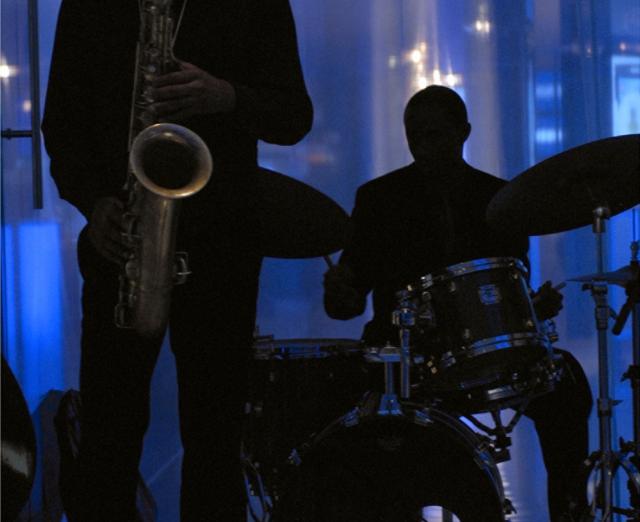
(170, 160)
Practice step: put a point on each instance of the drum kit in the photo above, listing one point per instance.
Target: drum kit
(331, 437)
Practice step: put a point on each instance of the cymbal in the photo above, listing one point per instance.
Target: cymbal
(296, 220)
(561, 192)
(621, 277)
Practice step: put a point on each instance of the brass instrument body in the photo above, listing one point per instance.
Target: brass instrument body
(167, 163)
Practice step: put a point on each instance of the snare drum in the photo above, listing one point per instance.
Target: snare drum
(476, 326)
(298, 386)
(366, 466)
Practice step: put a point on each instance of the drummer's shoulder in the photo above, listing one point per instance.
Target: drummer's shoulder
(386, 181)
(485, 178)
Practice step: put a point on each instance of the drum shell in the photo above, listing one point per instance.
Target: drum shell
(476, 327)
(297, 387)
(386, 468)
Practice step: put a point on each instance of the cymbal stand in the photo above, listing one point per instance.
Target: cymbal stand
(632, 305)
(603, 462)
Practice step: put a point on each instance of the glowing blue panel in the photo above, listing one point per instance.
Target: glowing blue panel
(38, 301)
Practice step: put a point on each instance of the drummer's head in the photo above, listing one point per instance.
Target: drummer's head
(436, 125)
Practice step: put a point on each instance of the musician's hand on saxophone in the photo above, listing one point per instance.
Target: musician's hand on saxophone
(106, 229)
(190, 91)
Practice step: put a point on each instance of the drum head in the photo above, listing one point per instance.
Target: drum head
(386, 469)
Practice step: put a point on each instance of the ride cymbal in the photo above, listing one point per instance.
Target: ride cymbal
(561, 192)
(296, 220)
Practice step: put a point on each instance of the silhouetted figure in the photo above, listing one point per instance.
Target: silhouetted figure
(429, 215)
(239, 80)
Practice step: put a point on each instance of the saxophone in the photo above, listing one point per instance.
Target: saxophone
(167, 162)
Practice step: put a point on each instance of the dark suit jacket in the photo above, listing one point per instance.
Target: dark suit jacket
(250, 44)
(407, 224)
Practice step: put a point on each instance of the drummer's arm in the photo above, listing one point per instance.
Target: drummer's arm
(547, 300)
(347, 284)
(342, 299)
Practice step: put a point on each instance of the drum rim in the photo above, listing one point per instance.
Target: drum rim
(494, 344)
(469, 267)
(304, 348)
(423, 417)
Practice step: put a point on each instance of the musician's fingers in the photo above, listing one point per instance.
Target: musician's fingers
(175, 78)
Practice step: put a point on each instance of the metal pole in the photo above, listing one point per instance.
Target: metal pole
(34, 67)
(605, 404)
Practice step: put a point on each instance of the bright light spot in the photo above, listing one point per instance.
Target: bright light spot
(546, 135)
(26, 106)
(437, 77)
(422, 82)
(392, 62)
(416, 56)
(5, 71)
(450, 79)
(623, 46)
(545, 91)
(482, 26)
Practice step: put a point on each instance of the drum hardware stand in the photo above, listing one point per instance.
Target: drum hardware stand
(498, 438)
(404, 317)
(253, 484)
(389, 355)
(632, 288)
(632, 448)
(604, 462)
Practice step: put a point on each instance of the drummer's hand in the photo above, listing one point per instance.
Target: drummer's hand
(341, 299)
(547, 301)
(105, 230)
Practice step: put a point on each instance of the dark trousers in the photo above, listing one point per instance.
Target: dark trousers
(211, 332)
(561, 420)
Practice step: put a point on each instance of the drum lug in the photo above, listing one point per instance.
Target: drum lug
(452, 287)
(352, 418)
(508, 507)
(422, 417)
(466, 334)
(427, 317)
(529, 324)
(294, 458)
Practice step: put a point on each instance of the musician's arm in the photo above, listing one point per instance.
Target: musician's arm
(68, 128)
(274, 106)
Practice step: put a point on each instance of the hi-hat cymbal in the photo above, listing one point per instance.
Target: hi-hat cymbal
(561, 192)
(622, 277)
(296, 220)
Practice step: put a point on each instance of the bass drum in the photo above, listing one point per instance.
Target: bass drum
(370, 466)
(297, 387)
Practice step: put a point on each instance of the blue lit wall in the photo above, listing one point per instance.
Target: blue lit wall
(34, 319)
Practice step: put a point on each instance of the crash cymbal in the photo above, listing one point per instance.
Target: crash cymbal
(561, 192)
(296, 220)
(622, 277)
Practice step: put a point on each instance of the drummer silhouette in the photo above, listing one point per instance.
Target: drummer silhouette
(430, 215)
